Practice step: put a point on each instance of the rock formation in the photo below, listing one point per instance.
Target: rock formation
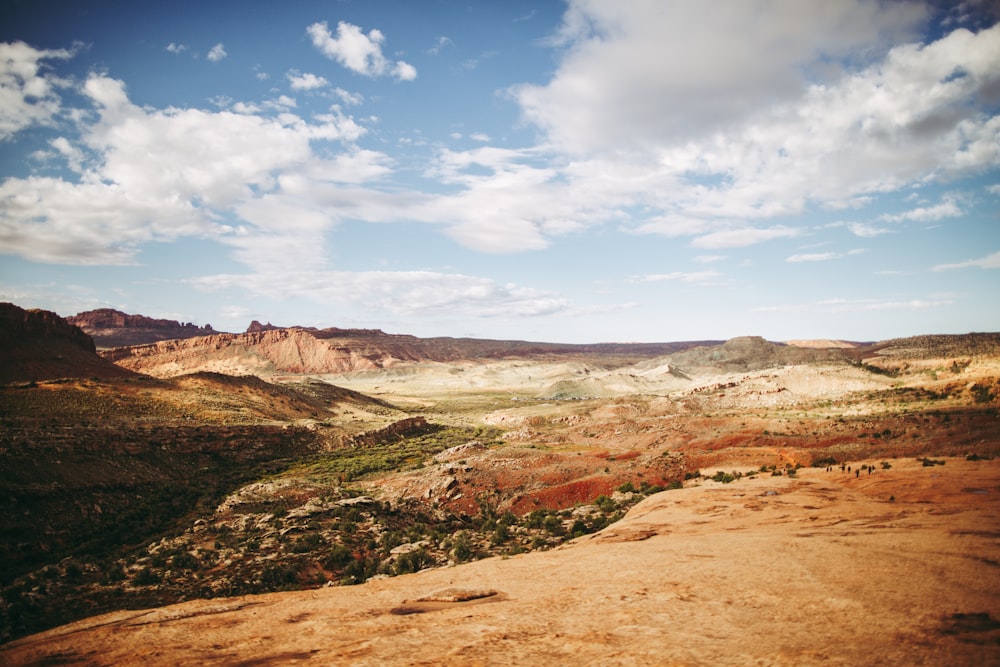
(113, 328)
(40, 345)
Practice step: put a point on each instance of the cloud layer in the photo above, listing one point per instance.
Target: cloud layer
(714, 126)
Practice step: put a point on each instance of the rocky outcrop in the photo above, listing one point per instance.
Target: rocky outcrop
(113, 328)
(40, 345)
(256, 353)
(257, 327)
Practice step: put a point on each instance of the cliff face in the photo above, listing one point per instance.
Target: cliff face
(257, 353)
(113, 328)
(18, 324)
(40, 345)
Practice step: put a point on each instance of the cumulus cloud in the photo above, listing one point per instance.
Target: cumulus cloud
(174, 47)
(357, 51)
(707, 122)
(217, 53)
(305, 81)
(28, 92)
(646, 71)
(157, 175)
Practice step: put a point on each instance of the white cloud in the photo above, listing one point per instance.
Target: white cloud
(27, 91)
(810, 108)
(281, 103)
(405, 293)
(993, 189)
(988, 262)
(865, 230)
(441, 43)
(946, 209)
(349, 98)
(699, 277)
(158, 175)
(73, 155)
(51, 220)
(738, 238)
(173, 47)
(404, 71)
(813, 257)
(646, 72)
(305, 81)
(357, 51)
(217, 53)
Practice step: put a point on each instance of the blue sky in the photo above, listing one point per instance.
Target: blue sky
(582, 171)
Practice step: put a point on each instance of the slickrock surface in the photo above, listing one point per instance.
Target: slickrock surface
(822, 568)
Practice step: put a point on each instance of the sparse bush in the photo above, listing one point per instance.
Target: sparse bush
(553, 525)
(414, 561)
(606, 504)
(462, 550)
(338, 556)
(278, 575)
(308, 542)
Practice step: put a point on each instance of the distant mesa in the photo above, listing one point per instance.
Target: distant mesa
(113, 328)
(257, 327)
(39, 345)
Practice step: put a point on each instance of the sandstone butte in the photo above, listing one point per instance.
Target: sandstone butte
(899, 567)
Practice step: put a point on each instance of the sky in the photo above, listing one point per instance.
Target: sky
(580, 171)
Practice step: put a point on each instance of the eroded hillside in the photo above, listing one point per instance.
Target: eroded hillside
(349, 456)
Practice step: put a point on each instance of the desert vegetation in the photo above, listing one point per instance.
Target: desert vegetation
(128, 491)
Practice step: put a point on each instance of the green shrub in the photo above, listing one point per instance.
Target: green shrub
(337, 557)
(413, 561)
(462, 550)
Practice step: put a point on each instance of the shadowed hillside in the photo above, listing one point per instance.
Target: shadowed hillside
(40, 345)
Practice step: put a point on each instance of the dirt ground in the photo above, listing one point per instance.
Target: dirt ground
(897, 567)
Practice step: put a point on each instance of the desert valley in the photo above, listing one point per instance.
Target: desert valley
(172, 494)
